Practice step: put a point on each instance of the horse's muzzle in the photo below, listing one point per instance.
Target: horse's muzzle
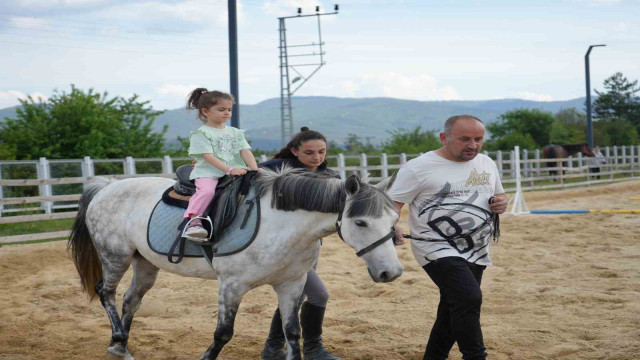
(385, 276)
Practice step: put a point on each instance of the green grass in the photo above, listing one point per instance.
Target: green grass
(34, 227)
(33, 242)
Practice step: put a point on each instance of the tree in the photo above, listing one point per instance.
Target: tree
(533, 122)
(615, 132)
(619, 102)
(353, 145)
(77, 124)
(411, 141)
(510, 140)
(575, 123)
(559, 133)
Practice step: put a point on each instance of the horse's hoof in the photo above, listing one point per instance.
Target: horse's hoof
(119, 352)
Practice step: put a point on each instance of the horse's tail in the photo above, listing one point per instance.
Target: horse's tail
(83, 252)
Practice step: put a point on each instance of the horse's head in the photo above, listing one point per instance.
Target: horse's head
(587, 151)
(366, 224)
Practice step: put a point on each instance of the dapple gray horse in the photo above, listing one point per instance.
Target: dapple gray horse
(298, 209)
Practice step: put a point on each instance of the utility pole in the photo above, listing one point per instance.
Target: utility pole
(588, 77)
(285, 82)
(233, 62)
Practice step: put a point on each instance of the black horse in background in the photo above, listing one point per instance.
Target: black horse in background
(560, 152)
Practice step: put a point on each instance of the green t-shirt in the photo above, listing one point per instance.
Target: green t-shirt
(225, 144)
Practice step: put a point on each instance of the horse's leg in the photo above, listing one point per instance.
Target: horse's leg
(144, 276)
(289, 296)
(113, 268)
(230, 294)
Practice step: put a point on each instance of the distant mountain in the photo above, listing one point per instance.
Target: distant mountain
(9, 112)
(369, 118)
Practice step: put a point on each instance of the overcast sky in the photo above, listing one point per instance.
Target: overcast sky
(424, 50)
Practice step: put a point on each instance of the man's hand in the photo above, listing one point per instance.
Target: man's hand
(499, 204)
(399, 236)
(397, 229)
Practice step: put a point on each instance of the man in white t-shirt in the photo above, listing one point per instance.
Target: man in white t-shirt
(454, 195)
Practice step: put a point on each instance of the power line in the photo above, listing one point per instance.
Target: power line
(89, 48)
(285, 82)
(126, 36)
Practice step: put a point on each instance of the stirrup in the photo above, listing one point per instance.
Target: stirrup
(198, 240)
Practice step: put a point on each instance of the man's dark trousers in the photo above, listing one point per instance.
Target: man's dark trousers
(458, 317)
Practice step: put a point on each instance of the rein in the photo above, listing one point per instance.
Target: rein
(390, 235)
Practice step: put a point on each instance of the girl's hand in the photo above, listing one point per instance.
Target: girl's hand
(238, 172)
(193, 164)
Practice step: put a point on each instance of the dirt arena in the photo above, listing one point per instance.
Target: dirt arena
(562, 287)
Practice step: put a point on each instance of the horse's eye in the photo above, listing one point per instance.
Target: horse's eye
(361, 223)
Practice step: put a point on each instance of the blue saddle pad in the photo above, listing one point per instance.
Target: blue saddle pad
(163, 230)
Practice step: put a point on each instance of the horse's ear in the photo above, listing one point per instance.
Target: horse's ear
(352, 185)
(387, 183)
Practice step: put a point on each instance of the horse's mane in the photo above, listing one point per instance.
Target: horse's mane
(297, 189)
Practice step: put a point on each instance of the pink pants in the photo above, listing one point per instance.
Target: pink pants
(205, 189)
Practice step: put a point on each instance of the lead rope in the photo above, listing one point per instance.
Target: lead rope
(496, 223)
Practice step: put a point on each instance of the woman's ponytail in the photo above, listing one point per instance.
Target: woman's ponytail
(304, 135)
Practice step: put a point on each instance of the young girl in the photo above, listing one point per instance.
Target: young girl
(219, 150)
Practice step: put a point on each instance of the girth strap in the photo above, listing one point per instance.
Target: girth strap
(178, 243)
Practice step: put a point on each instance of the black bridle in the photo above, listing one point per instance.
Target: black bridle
(391, 235)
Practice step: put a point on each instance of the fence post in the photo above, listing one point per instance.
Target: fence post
(86, 166)
(631, 162)
(341, 166)
(537, 162)
(384, 163)
(129, 166)
(403, 159)
(580, 160)
(1, 196)
(527, 165)
(45, 190)
(499, 163)
(167, 165)
(512, 167)
(364, 174)
(263, 158)
(615, 155)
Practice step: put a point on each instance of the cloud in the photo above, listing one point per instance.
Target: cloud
(396, 85)
(176, 90)
(527, 95)
(11, 98)
(598, 2)
(289, 7)
(27, 22)
(203, 12)
(183, 15)
(621, 27)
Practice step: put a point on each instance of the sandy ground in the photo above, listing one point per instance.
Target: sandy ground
(563, 287)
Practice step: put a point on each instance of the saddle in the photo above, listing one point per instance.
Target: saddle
(230, 194)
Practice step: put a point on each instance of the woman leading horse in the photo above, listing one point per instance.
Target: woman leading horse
(306, 150)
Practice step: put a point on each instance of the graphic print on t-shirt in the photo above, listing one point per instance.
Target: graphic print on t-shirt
(454, 221)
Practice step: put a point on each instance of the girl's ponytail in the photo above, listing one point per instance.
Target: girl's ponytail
(201, 98)
(194, 97)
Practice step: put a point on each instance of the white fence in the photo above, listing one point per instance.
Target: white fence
(51, 186)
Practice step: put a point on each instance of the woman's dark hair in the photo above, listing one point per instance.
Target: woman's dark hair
(304, 135)
(202, 98)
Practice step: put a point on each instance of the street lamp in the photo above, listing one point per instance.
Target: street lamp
(589, 121)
